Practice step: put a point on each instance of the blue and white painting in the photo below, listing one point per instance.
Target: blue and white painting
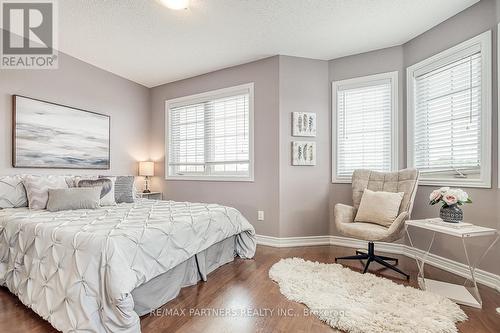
(54, 136)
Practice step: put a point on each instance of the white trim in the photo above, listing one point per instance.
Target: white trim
(366, 81)
(292, 241)
(460, 269)
(243, 88)
(484, 42)
(209, 95)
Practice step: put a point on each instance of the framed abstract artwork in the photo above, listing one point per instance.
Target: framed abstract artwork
(48, 135)
(303, 153)
(303, 124)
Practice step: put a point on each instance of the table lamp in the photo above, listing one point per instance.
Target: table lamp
(146, 169)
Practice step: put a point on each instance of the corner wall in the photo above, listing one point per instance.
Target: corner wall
(294, 199)
(248, 197)
(304, 190)
(485, 210)
(379, 61)
(298, 201)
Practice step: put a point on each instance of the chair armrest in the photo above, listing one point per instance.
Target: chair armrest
(344, 213)
(398, 223)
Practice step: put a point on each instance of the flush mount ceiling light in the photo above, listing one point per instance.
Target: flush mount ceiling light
(175, 4)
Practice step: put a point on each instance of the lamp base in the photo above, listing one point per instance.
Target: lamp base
(146, 191)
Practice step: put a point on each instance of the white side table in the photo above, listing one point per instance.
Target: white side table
(151, 195)
(468, 293)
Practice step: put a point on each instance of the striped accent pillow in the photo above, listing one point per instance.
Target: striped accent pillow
(124, 189)
(37, 189)
(12, 192)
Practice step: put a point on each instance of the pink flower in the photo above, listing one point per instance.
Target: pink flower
(435, 195)
(449, 196)
(450, 199)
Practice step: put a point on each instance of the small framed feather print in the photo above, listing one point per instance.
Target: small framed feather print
(304, 124)
(303, 153)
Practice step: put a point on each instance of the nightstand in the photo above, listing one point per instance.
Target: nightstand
(152, 195)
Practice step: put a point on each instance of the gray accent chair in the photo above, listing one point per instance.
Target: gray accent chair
(401, 181)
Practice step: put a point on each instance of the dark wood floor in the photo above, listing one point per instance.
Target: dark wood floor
(245, 284)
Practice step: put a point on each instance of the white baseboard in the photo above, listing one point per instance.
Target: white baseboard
(293, 241)
(483, 277)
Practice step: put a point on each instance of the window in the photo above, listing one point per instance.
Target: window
(365, 125)
(210, 135)
(449, 115)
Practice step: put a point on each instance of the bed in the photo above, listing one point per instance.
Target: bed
(98, 270)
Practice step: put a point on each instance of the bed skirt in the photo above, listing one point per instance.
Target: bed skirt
(165, 287)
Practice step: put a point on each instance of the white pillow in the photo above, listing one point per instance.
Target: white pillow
(37, 189)
(12, 192)
(379, 207)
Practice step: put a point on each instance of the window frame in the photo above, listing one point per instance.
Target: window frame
(441, 59)
(365, 81)
(203, 97)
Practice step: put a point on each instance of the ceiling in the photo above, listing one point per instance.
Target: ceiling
(145, 42)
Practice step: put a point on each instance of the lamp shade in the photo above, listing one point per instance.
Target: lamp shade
(146, 168)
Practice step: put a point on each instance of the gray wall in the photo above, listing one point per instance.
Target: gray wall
(304, 190)
(248, 197)
(298, 201)
(83, 86)
(484, 211)
(294, 199)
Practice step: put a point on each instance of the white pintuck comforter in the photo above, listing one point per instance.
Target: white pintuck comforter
(76, 269)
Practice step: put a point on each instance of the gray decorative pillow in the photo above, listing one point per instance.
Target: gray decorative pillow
(107, 189)
(124, 189)
(73, 198)
(12, 192)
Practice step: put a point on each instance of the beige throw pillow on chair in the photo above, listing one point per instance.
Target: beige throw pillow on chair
(379, 207)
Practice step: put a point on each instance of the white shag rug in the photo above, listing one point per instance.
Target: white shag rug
(361, 303)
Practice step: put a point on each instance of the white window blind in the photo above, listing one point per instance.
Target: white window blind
(448, 118)
(364, 125)
(209, 136)
(449, 115)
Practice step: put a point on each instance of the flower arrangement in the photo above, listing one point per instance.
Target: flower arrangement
(449, 197)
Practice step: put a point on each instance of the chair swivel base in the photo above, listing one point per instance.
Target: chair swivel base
(370, 256)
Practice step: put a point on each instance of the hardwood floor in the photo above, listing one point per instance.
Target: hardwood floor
(245, 284)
